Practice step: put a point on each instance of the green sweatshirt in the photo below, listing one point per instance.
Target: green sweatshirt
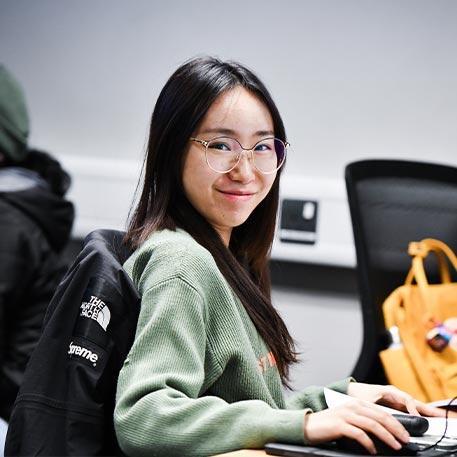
(199, 380)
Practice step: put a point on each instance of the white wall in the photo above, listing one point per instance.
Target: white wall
(352, 78)
(327, 329)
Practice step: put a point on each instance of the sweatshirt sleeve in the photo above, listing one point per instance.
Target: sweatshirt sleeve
(159, 410)
(313, 397)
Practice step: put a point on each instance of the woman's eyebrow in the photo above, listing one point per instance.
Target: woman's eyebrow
(265, 133)
(230, 132)
(219, 130)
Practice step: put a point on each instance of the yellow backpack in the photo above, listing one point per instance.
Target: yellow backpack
(422, 320)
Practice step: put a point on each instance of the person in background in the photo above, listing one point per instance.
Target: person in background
(211, 355)
(35, 226)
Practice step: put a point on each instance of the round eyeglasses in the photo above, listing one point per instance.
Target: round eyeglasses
(224, 153)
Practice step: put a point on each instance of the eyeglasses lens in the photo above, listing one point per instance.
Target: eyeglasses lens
(223, 154)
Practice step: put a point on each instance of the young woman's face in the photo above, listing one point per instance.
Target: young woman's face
(227, 199)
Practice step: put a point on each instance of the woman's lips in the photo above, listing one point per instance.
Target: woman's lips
(233, 195)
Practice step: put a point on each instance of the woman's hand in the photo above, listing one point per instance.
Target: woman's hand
(355, 419)
(393, 398)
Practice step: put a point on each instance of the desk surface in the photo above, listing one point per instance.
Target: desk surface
(244, 453)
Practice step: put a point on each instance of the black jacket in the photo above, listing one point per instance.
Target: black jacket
(66, 402)
(35, 224)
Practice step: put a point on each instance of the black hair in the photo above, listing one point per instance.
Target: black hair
(180, 107)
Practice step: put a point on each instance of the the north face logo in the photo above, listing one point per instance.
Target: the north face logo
(85, 353)
(97, 310)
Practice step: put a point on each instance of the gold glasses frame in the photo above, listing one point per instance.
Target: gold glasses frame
(205, 143)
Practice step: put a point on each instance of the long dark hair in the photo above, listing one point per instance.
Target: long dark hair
(182, 104)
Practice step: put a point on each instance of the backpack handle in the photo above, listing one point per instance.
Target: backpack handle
(419, 250)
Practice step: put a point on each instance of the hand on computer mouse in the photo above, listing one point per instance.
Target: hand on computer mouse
(357, 420)
(392, 397)
(415, 425)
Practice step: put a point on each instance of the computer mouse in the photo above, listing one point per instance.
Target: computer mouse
(415, 426)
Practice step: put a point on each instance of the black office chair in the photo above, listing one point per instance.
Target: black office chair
(393, 202)
(66, 401)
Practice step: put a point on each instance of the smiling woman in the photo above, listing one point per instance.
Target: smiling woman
(227, 198)
(211, 355)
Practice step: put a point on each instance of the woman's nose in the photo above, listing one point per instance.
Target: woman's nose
(244, 169)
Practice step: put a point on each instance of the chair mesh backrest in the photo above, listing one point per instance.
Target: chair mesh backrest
(392, 203)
